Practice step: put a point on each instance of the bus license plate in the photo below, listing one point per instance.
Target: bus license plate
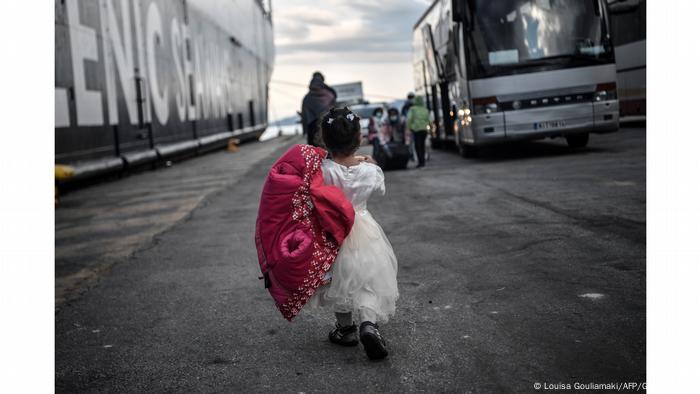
(549, 125)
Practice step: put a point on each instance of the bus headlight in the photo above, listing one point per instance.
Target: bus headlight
(605, 91)
(464, 117)
(486, 105)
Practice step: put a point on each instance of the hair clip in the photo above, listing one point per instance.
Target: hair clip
(330, 120)
(350, 116)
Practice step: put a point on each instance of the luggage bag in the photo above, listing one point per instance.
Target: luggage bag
(392, 156)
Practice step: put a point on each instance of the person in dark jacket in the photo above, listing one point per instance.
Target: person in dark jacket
(407, 105)
(317, 101)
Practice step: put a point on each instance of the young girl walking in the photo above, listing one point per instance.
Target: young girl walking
(363, 277)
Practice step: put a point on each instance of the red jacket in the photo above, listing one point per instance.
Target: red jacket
(300, 227)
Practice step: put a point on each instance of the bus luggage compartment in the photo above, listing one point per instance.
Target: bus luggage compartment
(559, 120)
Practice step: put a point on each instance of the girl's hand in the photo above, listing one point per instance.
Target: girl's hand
(366, 158)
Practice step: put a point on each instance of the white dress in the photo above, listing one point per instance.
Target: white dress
(363, 276)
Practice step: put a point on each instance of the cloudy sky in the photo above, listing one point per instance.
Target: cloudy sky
(347, 40)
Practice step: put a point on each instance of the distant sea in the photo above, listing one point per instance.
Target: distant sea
(274, 131)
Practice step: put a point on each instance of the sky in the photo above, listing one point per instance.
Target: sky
(347, 40)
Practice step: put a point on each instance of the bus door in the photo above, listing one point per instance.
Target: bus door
(447, 120)
(433, 106)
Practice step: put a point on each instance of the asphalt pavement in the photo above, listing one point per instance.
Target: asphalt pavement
(524, 265)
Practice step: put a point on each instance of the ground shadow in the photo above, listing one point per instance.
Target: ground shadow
(523, 150)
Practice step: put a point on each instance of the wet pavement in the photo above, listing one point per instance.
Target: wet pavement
(524, 265)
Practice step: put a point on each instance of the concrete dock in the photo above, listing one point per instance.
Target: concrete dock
(524, 265)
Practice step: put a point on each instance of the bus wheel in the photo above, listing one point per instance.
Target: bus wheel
(577, 140)
(466, 150)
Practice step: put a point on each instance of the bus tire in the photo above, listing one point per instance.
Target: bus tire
(577, 140)
(467, 151)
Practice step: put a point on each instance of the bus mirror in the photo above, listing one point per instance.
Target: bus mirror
(623, 6)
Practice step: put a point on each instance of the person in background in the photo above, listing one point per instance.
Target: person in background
(418, 121)
(376, 131)
(404, 113)
(317, 101)
(396, 128)
(407, 105)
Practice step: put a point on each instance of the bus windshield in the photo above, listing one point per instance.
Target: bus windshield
(518, 36)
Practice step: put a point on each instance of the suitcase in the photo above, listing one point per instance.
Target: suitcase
(392, 156)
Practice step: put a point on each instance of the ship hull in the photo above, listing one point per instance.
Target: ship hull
(137, 81)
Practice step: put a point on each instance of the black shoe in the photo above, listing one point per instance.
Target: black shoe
(344, 336)
(374, 344)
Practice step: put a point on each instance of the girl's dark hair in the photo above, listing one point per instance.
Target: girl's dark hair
(340, 128)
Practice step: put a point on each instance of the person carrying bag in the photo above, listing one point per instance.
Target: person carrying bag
(418, 121)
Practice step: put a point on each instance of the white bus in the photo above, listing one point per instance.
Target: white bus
(499, 71)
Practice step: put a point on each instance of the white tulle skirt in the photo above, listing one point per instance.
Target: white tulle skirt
(363, 276)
